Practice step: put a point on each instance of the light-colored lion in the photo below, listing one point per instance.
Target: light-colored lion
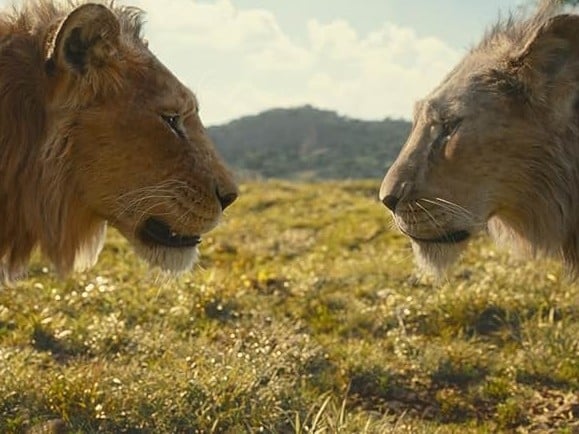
(496, 147)
(95, 129)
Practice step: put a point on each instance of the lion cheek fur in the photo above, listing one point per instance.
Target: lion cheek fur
(539, 229)
(89, 250)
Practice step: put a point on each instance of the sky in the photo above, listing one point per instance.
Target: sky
(366, 59)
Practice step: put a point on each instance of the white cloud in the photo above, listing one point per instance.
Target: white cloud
(334, 39)
(218, 25)
(374, 75)
(240, 61)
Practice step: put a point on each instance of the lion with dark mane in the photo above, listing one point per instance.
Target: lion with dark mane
(496, 147)
(94, 129)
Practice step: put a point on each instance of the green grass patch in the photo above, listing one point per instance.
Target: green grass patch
(306, 314)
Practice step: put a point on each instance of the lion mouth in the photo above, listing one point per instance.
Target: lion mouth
(449, 238)
(157, 232)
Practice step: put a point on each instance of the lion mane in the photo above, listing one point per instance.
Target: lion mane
(74, 78)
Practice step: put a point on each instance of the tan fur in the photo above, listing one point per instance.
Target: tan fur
(83, 141)
(495, 147)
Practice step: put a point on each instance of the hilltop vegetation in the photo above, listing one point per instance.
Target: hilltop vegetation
(306, 143)
(306, 315)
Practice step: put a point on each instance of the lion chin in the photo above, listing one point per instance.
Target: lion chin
(174, 261)
(436, 259)
(171, 260)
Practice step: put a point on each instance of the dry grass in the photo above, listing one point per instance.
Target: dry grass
(305, 316)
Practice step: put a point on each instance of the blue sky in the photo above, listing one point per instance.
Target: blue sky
(367, 59)
(458, 22)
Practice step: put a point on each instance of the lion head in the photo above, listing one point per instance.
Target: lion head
(96, 129)
(495, 147)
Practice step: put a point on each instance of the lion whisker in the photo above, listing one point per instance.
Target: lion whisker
(452, 204)
(166, 184)
(157, 191)
(437, 226)
(154, 193)
(140, 190)
(452, 209)
(135, 203)
(446, 206)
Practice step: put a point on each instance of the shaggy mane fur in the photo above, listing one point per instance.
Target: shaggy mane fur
(515, 30)
(37, 202)
(548, 222)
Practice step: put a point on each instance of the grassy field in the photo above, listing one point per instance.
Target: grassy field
(306, 315)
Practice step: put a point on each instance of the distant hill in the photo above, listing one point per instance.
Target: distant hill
(307, 143)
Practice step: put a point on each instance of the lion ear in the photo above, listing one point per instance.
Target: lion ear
(86, 38)
(551, 46)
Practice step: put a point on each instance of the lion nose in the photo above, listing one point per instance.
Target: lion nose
(226, 199)
(390, 201)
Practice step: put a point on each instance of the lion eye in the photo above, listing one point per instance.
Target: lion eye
(441, 134)
(435, 131)
(174, 122)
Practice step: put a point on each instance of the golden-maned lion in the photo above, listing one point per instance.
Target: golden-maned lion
(496, 146)
(95, 129)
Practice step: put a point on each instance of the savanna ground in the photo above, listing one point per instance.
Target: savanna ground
(306, 315)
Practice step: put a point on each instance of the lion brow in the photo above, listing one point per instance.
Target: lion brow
(190, 105)
(433, 110)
